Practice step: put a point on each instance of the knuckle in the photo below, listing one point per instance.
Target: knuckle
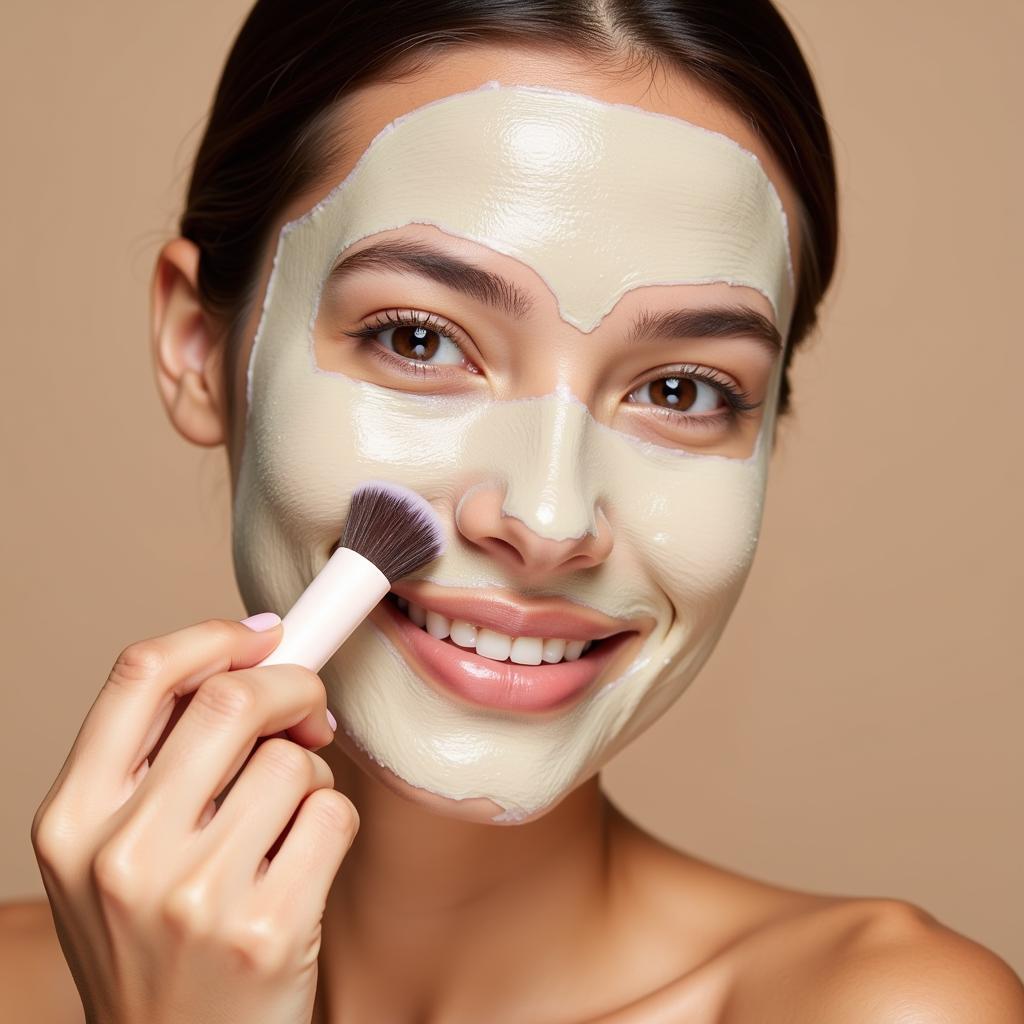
(186, 910)
(334, 812)
(225, 697)
(286, 759)
(140, 662)
(115, 875)
(258, 945)
(220, 631)
(311, 679)
(50, 835)
(303, 680)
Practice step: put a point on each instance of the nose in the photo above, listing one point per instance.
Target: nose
(483, 521)
(538, 510)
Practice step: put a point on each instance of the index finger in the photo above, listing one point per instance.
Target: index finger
(136, 701)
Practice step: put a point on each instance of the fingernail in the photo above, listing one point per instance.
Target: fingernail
(332, 720)
(262, 622)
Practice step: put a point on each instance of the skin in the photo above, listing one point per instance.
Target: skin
(638, 512)
(577, 915)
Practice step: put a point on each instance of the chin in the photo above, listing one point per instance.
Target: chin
(476, 810)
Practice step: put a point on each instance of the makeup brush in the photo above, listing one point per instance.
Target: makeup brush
(390, 532)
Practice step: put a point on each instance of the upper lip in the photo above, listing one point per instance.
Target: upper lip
(514, 615)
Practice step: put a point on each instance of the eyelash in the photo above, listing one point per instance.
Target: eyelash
(398, 318)
(738, 401)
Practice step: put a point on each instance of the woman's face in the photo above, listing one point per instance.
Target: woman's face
(516, 302)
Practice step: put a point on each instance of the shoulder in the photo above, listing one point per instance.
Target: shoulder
(876, 961)
(898, 963)
(34, 976)
(775, 955)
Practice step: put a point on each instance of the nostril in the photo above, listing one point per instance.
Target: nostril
(503, 547)
(578, 562)
(482, 520)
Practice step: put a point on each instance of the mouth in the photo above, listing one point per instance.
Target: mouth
(522, 670)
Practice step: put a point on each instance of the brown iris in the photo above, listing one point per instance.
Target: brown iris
(415, 342)
(673, 392)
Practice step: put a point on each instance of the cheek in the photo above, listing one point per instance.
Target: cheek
(322, 440)
(696, 530)
(303, 470)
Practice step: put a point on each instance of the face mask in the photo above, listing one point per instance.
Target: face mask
(598, 199)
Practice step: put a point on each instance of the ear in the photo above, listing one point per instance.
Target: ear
(188, 350)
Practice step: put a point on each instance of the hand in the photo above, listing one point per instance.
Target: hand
(172, 907)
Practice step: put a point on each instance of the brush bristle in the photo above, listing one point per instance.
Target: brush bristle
(392, 527)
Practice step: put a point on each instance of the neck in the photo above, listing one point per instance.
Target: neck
(431, 912)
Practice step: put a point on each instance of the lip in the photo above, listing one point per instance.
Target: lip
(503, 685)
(516, 616)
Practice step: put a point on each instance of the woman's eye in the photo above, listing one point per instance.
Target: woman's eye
(683, 394)
(420, 344)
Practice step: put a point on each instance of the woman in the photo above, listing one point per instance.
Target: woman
(545, 264)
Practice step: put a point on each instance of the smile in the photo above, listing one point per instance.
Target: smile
(501, 658)
(488, 643)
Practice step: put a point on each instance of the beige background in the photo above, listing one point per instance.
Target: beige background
(858, 730)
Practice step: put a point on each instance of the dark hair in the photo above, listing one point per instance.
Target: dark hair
(268, 138)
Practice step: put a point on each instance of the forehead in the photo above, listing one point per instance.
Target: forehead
(657, 89)
(367, 110)
(598, 198)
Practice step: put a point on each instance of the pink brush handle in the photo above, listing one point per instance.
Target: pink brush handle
(341, 595)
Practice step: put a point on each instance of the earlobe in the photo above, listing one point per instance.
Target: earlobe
(187, 354)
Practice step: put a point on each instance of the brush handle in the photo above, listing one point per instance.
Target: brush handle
(341, 595)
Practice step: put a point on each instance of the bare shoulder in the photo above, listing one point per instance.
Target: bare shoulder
(748, 951)
(35, 982)
(871, 961)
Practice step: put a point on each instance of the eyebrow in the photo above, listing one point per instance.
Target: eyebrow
(500, 293)
(456, 273)
(711, 322)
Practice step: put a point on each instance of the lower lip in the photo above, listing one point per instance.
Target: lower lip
(495, 684)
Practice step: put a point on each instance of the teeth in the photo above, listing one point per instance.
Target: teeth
(437, 625)
(522, 650)
(527, 650)
(493, 645)
(573, 650)
(463, 633)
(553, 651)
